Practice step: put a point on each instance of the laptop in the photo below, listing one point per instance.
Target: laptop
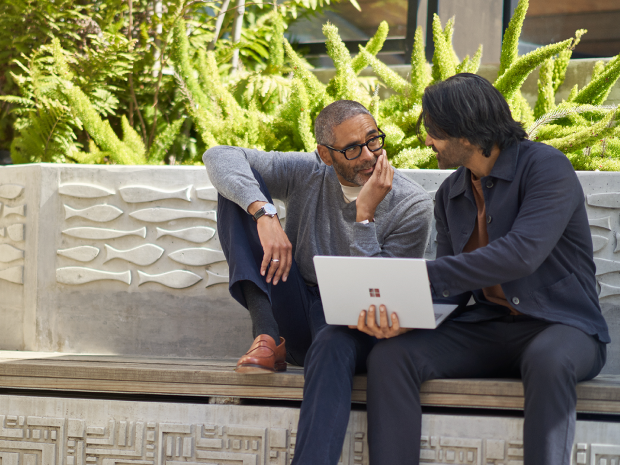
(349, 285)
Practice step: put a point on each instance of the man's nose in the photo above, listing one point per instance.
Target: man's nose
(367, 154)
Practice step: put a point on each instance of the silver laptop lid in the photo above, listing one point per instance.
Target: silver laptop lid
(349, 285)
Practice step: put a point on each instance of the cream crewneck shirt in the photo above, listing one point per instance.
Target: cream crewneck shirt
(351, 193)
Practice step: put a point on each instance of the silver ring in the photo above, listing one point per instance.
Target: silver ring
(276, 260)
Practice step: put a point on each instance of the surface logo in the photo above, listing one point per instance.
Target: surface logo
(374, 293)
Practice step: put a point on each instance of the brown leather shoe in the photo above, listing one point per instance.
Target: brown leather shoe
(263, 357)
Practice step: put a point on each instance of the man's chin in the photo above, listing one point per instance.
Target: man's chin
(446, 166)
(361, 179)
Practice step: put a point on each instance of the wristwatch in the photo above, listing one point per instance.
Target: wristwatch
(268, 209)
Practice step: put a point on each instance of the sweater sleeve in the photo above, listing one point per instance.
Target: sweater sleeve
(230, 171)
(408, 238)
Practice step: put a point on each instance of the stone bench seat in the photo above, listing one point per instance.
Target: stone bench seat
(214, 377)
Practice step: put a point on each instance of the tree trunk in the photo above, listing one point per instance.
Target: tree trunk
(237, 32)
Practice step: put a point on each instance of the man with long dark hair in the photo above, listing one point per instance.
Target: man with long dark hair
(512, 233)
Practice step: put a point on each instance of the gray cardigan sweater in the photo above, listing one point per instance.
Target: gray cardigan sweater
(319, 221)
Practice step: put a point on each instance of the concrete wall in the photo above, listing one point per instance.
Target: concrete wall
(160, 288)
(56, 431)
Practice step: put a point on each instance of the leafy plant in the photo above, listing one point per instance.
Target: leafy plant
(163, 89)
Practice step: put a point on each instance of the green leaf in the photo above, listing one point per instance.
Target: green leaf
(164, 141)
(510, 44)
(514, 77)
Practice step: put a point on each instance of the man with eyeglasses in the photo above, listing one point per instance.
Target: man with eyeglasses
(343, 199)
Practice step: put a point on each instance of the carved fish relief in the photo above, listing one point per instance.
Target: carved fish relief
(207, 193)
(160, 215)
(598, 242)
(98, 213)
(14, 274)
(83, 253)
(17, 210)
(617, 249)
(8, 253)
(1, 232)
(80, 275)
(604, 223)
(605, 200)
(142, 255)
(215, 278)
(177, 279)
(84, 191)
(11, 191)
(137, 194)
(102, 234)
(607, 290)
(606, 266)
(196, 234)
(199, 256)
(15, 232)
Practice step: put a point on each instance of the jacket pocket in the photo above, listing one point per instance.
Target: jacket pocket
(563, 299)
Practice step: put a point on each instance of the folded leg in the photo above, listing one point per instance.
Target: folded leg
(287, 309)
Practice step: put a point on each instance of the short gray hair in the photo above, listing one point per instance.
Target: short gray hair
(334, 114)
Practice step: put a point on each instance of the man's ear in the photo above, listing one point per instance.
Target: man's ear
(325, 155)
(465, 142)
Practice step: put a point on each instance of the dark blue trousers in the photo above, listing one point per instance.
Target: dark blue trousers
(330, 355)
(549, 358)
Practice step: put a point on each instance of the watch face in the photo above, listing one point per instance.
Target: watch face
(270, 209)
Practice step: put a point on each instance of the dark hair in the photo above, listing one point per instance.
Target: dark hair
(468, 106)
(333, 115)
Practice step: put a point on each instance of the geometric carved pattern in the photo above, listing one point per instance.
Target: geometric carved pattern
(33, 440)
(30, 440)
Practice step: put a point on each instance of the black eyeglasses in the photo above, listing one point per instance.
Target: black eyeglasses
(354, 151)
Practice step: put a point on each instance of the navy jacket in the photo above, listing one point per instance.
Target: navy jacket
(540, 247)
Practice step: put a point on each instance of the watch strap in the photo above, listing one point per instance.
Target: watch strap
(262, 211)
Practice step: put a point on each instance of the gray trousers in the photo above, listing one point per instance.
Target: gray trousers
(549, 358)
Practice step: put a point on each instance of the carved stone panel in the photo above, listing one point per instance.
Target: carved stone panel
(57, 431)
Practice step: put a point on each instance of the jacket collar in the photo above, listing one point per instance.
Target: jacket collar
(505, 168)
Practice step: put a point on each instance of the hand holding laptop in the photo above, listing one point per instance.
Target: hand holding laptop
(396, 285)
(383, 330)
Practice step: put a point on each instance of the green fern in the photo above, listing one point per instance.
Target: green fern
(510, 44)
(443, 57)
(546, 95)
(597, 91)
(373, 47)
(420, 72)
(513, 78)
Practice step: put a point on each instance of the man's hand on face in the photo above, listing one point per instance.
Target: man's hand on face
(375, 189)
(383, 330)
(278, 251)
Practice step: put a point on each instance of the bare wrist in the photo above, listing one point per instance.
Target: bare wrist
(364, 215)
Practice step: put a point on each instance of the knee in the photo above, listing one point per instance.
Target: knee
(333, 345)
(388, 358)
(549, 367)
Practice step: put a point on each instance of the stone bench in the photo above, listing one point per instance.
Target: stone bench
(168, 411)
(215, 378)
